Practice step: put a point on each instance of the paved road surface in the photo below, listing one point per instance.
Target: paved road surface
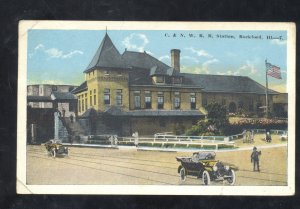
(96, 166)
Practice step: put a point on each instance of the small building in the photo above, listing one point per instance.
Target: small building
(43, 101)
(280, 106)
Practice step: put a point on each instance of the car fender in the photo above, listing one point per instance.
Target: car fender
(179, 168)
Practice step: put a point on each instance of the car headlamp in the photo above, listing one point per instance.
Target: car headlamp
(227, 167)
(215, 168)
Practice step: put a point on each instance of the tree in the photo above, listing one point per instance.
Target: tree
(216, 122)
(217, 115)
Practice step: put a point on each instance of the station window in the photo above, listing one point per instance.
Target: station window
(160, 102)
(107, 96)
(137, 101)
(91, 98)
(148, 99)
(82, 105)
(119, 97)
(177, 100)
(193, 101)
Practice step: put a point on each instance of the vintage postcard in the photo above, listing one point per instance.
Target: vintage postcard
(156, 108)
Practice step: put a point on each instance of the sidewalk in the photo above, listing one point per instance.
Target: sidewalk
(172, 149)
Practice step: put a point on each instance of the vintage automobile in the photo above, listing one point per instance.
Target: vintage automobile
(55, 148)
(203, 165)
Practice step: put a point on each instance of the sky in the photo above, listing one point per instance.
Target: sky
(61, 56)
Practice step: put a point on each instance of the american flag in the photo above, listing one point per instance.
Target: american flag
(273, 70)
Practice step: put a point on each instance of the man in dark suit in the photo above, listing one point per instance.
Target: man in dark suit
(255, 158)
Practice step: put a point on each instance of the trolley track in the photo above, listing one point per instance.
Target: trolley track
(142, 167)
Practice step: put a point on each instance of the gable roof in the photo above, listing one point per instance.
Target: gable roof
(33, 98)
(80, 88)
(55, 95)
(107, 56)
(226, 83)
(146, 61)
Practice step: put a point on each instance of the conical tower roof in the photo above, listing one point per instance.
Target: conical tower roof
(107, 56)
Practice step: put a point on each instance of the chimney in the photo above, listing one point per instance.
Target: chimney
(175, 59)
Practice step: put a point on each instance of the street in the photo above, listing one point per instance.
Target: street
(99, 166)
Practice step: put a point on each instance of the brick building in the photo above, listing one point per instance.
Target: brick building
(134, 91)
(43, 100)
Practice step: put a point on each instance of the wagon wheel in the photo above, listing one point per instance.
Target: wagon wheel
(205, 178)
(231, 179)
(182, 174)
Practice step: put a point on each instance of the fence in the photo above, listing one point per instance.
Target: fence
(170, 140)
(178, 142)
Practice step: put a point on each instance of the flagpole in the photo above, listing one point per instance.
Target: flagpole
(267, 105)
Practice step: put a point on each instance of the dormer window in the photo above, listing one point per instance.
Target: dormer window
(177, 80)
(160, 79)
(176, 100)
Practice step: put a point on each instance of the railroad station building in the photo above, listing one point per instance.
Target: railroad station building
(134, 91)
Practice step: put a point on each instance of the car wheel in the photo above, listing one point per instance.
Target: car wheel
(182, 174)
(231, 180)
(53, 153)
(67, 151)
(205, 178)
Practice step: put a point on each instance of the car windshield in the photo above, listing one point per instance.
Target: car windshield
(205, 155)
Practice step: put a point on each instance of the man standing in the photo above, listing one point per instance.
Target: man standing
(255, 158)
(136, 138)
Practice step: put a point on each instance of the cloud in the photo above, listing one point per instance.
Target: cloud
(39, 46)
(165, 57)
(203, 69)
(278, 87)
(190, 58)
(136, 42)
(42, 81)
(278, 42)
(194, 70)
(149, 52)
(200, 53)
(228, 72)
(209, 62)
(54, 52)
(71, 54)
(248, 68)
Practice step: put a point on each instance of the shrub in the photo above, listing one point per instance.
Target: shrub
(178, 128)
